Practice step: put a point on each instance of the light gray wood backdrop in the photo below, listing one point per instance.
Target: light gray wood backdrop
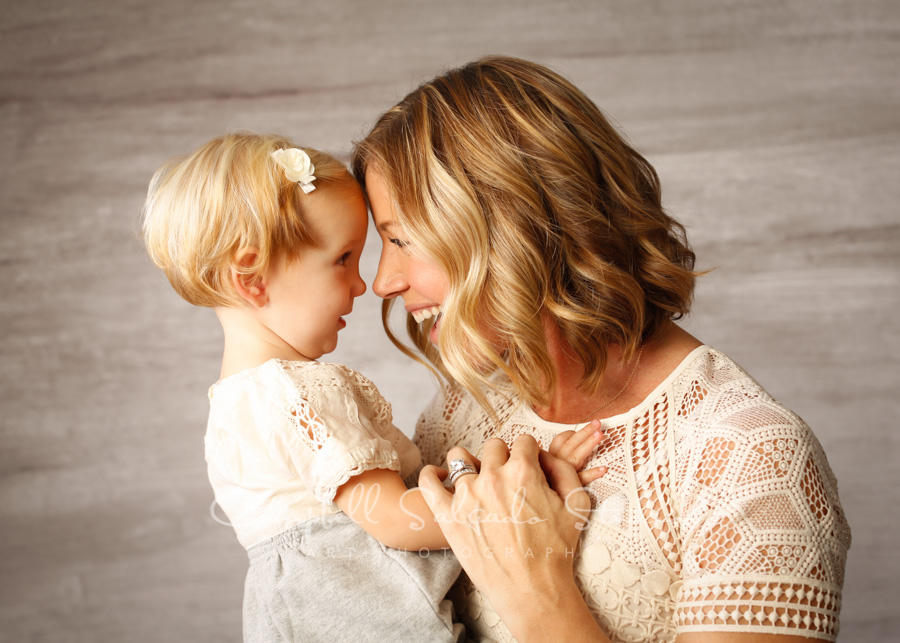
(775, 127)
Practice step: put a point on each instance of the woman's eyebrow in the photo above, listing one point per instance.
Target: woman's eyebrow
(382, 227)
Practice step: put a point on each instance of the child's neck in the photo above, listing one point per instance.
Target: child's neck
(248, 343)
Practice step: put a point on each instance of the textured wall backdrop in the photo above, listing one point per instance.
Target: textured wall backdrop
(775, 126)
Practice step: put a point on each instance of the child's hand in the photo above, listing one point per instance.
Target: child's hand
(576, 447)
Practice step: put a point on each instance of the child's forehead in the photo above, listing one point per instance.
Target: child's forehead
(345, 184)
(336, 209)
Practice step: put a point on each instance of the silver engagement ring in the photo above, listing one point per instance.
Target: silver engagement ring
(458, 469)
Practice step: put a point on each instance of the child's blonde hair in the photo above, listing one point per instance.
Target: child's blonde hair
(228, 195)
(535, 207)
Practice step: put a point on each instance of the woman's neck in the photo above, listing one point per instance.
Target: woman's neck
(248, 343)
(624, 384)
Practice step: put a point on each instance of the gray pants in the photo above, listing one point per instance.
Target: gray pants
(328, 580)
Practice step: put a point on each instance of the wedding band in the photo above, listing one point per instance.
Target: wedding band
(458, 469)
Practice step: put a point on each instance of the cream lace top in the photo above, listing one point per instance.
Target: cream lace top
(719, 511)
(282, 437)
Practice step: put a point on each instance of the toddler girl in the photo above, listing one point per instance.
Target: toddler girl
(270, 236)
(302, 455)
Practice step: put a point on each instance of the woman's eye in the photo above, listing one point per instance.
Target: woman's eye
(400, 244)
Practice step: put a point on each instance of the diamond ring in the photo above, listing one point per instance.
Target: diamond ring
(458, 469)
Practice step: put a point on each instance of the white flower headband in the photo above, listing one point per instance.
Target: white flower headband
(297, 167)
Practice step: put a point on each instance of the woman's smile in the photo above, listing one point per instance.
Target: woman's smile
(422, 314)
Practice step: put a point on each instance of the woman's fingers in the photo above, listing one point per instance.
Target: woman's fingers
(459, 453)
(494, 453)
(525, 448)
(561, 476)
(564, 480)
(431, 484)
(459, 458)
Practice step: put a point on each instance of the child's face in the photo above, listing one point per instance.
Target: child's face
(309, 295)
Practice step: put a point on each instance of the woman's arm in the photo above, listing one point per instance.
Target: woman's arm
(379, 502)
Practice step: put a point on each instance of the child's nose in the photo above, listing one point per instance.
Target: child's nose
(359, 287)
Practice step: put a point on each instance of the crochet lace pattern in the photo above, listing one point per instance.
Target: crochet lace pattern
(719, 511)
(316, 382)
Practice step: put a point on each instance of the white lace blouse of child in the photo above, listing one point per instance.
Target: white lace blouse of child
(283, 437)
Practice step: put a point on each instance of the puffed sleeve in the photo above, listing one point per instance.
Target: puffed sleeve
(764, 538)
(337, 426)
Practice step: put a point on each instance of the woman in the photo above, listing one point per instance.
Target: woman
(543, 278)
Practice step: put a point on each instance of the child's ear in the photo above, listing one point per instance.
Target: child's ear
(250, 286)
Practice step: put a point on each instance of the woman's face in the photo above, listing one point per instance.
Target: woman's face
(402, 271)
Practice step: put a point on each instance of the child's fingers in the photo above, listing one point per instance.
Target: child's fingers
(576, 446)
(589, 475)
(559, 442)
(587, 442)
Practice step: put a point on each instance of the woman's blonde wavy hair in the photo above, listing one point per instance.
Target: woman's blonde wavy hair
(516, 185)
(228, 195)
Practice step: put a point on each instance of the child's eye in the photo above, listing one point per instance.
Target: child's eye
(344, 257)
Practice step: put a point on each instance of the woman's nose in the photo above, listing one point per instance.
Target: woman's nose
(390, 280)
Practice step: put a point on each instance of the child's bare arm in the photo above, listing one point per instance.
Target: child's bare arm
(379, 502)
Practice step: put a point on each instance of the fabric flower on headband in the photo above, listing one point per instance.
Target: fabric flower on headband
(297, 167)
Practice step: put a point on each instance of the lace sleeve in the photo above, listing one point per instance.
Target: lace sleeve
(337, 423)
(764, 536)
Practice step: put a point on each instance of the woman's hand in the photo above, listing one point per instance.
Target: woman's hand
(515, 536)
